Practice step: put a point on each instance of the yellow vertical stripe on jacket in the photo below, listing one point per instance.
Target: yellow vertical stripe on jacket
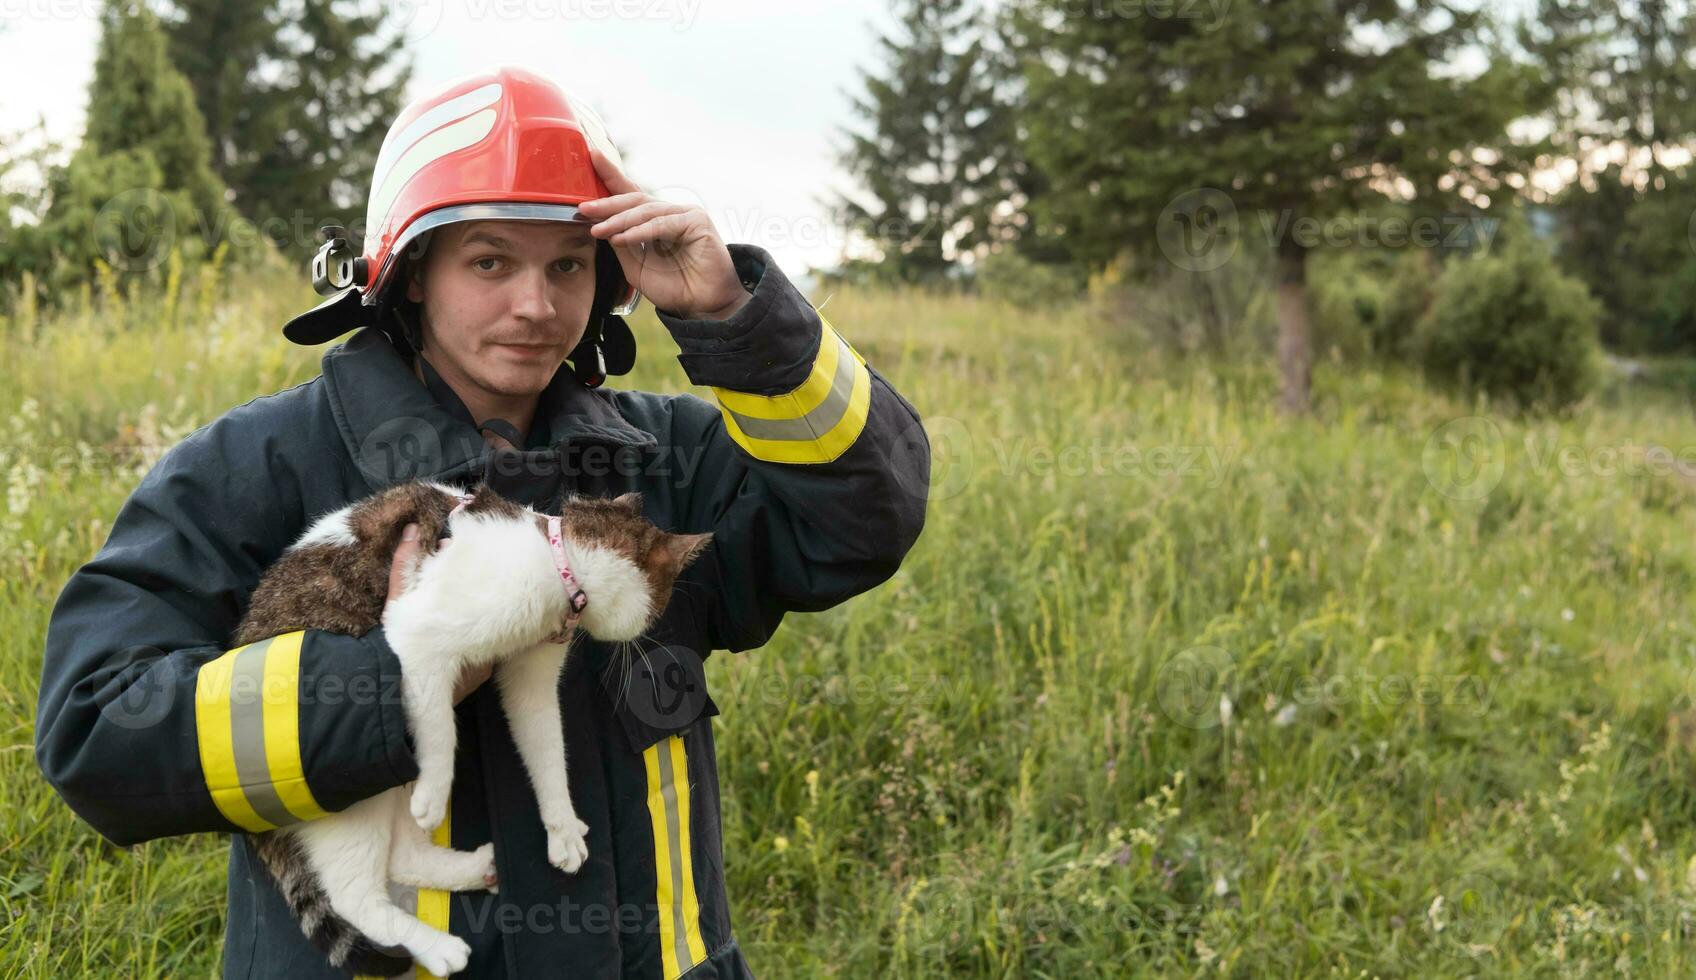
(247, 721)
(433, 902)
(681, 946)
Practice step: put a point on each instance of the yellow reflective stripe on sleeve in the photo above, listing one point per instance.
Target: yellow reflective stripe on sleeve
(247, 721)
(681, 946)
(816, 422)
(433, 902)
(282, 726)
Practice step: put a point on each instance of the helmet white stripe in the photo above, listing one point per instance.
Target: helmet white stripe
(399, 141)
(432, 147)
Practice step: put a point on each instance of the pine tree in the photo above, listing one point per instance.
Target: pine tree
(939, 153)
(1620, 72)
(138, 101)
(218, 45)
(140, 183)
(300, 112)
(1287, 109)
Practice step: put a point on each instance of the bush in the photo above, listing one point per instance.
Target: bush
(1225, 312)
(1010, 277)
(1511, 324)
(1369, 301)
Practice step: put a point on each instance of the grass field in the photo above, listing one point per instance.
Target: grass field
(1169, 685)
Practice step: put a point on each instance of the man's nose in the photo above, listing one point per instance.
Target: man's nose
(533, 301)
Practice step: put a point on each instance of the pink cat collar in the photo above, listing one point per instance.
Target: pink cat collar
(576, 597)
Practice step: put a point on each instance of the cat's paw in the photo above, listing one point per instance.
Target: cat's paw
(568, 845)
(445, 955)
(491, 878)
(429, 804)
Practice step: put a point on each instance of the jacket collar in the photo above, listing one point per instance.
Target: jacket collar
(396, 431)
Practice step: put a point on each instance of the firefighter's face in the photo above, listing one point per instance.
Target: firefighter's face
(504, 302)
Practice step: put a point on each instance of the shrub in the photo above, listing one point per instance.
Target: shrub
(1511, 324)
(1010, 277)
(1368, 302)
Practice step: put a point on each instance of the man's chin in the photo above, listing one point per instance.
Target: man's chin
(519, 379)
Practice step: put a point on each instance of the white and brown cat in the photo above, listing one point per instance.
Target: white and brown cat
(497, 592)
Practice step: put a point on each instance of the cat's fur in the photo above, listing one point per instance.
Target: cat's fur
(489, 595)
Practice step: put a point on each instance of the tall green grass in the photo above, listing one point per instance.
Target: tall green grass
(1170, 685)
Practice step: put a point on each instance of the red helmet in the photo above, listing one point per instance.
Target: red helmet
(505, 145)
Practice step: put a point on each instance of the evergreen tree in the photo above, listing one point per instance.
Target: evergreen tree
(218, 45)
(300, 111)
(1287, 108)
(140, 183)
(939, 155)
(1620, 72)
(1623, 83)
(140, 102)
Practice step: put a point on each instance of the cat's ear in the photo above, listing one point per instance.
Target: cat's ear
(629, 501)
(676, 551)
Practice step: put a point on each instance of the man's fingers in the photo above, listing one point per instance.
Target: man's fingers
(405, 554)
(634, 216)
(612, 204)
(666, 227)
(610, 174)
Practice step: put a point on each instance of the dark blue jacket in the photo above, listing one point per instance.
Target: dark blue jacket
(811, 473)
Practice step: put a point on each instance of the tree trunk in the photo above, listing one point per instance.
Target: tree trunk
(1295, 355)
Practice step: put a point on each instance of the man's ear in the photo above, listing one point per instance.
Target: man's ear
(415, 282)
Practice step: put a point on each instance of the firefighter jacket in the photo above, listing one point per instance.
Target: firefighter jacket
(811, 472)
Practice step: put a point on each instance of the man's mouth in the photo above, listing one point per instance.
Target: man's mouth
(528, 348)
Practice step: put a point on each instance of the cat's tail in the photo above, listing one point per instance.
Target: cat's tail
(335, 937)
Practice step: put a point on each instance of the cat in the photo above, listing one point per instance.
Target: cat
(499, 592)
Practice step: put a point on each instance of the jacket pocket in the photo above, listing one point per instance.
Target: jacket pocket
(656, 692)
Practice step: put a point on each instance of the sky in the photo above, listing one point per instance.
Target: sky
(735, 105)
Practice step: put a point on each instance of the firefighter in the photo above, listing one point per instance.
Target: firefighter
(502, 247)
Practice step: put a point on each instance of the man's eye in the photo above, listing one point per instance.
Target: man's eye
(569, 265)
(486, 268)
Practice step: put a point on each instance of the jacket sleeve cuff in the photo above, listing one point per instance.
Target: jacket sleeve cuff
(397, 740)
(767, 347)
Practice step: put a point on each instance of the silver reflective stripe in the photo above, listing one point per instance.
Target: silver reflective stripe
(817, 422)
(247, 735)
(674, 831)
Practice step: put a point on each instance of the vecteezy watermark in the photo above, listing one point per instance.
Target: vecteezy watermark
(944, 911)
(1468, 913)
(1202, 686)
(777, 690)
(958, 457)
(1464, 458)
(420, 18)
(1211, 10)
(1546, 456)
(1194, 688)
(1202, 229)
(664, 687)
(135, 230)
(411, 447)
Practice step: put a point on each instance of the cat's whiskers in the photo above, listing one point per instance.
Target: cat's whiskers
(622, 650)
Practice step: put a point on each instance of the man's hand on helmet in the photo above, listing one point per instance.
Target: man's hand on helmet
(684, 268)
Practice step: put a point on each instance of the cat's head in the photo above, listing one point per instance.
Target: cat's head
(625, 564)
